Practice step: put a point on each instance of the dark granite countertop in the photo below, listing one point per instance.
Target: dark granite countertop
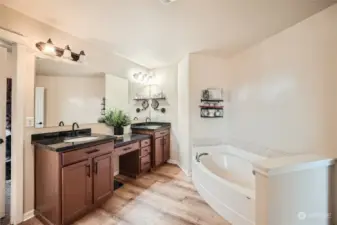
(151, 126)
(55, 141)
(130, 138)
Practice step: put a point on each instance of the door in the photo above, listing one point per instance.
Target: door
(166, 154)
(3, 88)
(76, 190)
(103, 174)
(39, 107)
(159, 147)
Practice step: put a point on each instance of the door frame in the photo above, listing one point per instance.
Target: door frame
(18, 109)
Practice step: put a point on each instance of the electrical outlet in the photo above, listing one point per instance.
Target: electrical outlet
(29, 121)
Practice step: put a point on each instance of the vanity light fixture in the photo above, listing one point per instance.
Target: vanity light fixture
(82, 57)
(67, 53)
(143, 78)
(49, 48)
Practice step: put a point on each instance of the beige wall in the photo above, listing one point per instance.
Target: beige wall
(35, 31)
(82, 96)
(183, 118)
(284, 89)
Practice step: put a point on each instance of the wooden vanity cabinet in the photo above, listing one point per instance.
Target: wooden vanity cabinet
(76, 190)
(135, 158)
(68, 185)
(160, 152)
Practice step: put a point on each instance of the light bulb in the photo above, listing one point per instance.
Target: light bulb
(49, 48)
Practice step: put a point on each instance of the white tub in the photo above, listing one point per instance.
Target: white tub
(225, 180)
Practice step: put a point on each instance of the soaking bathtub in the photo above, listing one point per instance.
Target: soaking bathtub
(223, 176)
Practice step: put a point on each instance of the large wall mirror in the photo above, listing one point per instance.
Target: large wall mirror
(69, 92)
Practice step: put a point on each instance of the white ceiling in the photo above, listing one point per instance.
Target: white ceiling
(154, 34)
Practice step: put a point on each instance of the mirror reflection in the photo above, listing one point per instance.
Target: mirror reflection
(70, 92)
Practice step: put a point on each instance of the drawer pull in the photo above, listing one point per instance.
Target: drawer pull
(92, 151)
(128, 148)
(88, 170)
(96, 168)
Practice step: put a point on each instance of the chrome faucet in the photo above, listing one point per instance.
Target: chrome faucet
(197, 156)
(148, 119)
(73, 128)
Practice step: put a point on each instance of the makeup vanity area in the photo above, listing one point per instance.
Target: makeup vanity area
(74, 169)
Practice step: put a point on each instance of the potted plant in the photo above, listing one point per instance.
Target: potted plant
(117, 119)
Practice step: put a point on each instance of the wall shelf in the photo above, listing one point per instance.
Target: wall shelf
(210, 107)
(212, 100)
(142, 99)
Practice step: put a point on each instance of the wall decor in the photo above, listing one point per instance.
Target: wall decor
(50, 49)
(211, 99)
(103, 106)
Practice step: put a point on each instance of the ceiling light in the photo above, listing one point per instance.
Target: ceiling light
(167, 1)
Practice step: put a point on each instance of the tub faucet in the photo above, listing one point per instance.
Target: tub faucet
(197, 157)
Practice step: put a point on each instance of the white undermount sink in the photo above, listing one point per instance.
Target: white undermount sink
(81, 139)
(153, 126)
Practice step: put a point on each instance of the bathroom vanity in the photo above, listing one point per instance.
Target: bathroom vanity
(160, 137)
(75, 174)
(71, 178)
(74, 171)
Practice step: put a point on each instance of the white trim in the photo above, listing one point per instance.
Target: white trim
(18, 115)
(17, 126)
(172, 161)
(29, 215)
(272, 167)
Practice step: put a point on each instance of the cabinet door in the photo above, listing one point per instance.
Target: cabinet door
(158, 151)
(76, 190)
(103, 177)
(166, 154)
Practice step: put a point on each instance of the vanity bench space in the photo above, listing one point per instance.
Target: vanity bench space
(134, 157)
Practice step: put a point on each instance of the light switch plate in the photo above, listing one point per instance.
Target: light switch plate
(29, 121)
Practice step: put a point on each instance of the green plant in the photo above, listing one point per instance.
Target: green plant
(116, 118)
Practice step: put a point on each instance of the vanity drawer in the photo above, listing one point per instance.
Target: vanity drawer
(145, 163)
(127, 148)
(85, 153)
(145, 151)
(161, 133)
(145, 143)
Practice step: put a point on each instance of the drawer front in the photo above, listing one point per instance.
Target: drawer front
(161, 133)
(127, 148)
(145, 163)
(145, 143)
(145, 151)
(85, 153)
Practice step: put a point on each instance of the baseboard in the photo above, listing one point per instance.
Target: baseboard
(116, 173)
(28, 215)
(175, 162)
(172, 161)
